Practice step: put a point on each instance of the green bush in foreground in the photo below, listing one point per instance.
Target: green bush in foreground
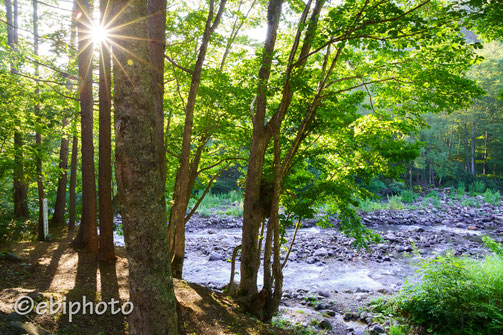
(456, 295)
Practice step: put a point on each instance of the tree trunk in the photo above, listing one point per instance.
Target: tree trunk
(106, 251)
(467, 151)
(157, 35)
(38, 136)
(473, 151)
(73, 182)
(20, 186)
(139, 178)
(75, 140)
(486, 139)
(58, 217)
(87, 236)
(253, 211)
(182, 183)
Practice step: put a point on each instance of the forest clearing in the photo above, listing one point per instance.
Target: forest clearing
(251, 167)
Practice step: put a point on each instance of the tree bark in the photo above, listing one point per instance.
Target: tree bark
(75, 140)
(139, 178)
(20, 185)
(87, 236)
(106, 250)
(183, 179)
(58, 217)
(38, 136)
(73, 183)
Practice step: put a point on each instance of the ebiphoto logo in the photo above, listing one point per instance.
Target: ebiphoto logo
(25, 305)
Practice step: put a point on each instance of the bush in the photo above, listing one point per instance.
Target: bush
(492, 197)
(369, 205)
(456, 295)
(408, 196)
(376, 186)
(395, 202)
(477, 187)
(396, 187)
(461, 188)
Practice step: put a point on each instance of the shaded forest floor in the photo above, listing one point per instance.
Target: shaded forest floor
(58, 271)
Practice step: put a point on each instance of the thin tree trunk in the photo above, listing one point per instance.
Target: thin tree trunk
(20, 185)
(467, 151)
(106, 251)
(75, 140)
(73, 182)
(182, 184)
(473, 151)
(486, 138)
(139, 178)
(59, 209)
(87, 236)
(38, 136)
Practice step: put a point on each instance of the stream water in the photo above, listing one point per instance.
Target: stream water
(324, 267)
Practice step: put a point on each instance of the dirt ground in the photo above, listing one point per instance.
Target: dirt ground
(56, 270)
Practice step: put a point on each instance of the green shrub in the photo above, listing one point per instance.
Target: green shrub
(461, 188)
(376, 186)
(395, 202)
(477, 187)
(456, 295)
(432, 194)
(204, 211)
(396, 187)
(408, 196)
(370, 205)
(492, 197)
(492, 245)
(234, 211)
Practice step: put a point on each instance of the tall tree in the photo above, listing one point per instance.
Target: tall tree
(75, 139)
(87, 236)
(139, 177)
(20, 185)
(38, 135)
(187, 172)
(106, 251)
(327, 71)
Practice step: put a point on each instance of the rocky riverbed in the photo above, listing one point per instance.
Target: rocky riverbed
(327, 280)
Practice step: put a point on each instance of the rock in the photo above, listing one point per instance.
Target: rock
(329, 312)
(399, 248)
(12, 257)
(322, 252)
(377, 329)
(471, 227)
(325, 294)
(216, 257)
(460, 225)
(325, 324)
(348, 316)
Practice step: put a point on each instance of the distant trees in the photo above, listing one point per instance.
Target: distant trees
(467, 143)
